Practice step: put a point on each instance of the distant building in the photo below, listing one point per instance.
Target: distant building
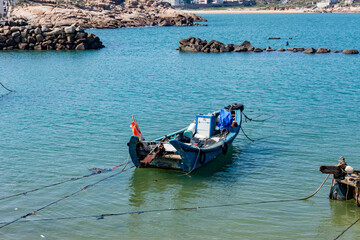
(326, 3)
(3, 8)
(173, 3)
(348, 2)
(201, 1)
(218, 2)
(232, 1)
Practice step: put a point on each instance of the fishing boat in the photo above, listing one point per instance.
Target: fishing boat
(192, 147)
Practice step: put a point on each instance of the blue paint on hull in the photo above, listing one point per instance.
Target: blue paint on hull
(191, 157)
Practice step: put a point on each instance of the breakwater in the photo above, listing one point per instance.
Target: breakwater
(18, 34)
(193, 44)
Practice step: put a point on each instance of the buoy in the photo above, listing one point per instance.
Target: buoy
(349, 169)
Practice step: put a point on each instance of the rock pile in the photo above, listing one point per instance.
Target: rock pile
(18, 34)
(105, 14)
(192, 44)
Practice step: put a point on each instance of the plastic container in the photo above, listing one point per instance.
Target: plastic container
(190, 131)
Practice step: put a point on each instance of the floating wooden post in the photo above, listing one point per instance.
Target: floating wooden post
(345, 184)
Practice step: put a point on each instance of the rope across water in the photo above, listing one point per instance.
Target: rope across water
(97, 171)
(6, 88)
(67, 196)
(102, 216)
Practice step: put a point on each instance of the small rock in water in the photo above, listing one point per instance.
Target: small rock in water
(281, 50)
(299, 49)
(42, 236)
(323, 50)
(351, 51)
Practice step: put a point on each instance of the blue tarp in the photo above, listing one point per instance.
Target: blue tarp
(225, 119)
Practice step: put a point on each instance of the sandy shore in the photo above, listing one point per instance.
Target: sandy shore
(253, 10)
(242, 11)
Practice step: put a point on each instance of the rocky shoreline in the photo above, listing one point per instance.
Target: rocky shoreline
(193, 44)
(105, 14)
(20, 35)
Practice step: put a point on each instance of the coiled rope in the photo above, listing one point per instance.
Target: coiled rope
(102, 216)
(6, 88)
(67, 196)
(95, 171)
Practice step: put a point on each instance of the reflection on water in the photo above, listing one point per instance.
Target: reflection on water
(343, 212)
(147, 184)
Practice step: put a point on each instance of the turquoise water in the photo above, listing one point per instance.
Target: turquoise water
(72, 111)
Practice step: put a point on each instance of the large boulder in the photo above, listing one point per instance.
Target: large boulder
(56, 31)
(45, 28)
(23, 46)
(81, 46)
(323, 50)
(258, 50)
(187, 48)
(298, 49)
(310, 50)
(230, 47)
(39, 38)
(70, 30)
(351, 51)
(15, 34)
(38, 47)
(239, 48)
(248, 46)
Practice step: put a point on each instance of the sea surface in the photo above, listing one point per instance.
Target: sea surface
(71, 111)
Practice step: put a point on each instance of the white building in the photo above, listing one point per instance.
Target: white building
(173, 3)
(326, 3)
(348, 2)
(2, 8)
(209, 2)
(201, 1)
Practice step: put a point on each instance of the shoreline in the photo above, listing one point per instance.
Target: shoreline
(255, 11)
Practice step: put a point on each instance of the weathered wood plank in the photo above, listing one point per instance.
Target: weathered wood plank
(330, 169)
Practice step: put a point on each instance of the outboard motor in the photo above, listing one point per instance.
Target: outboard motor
(235, 106)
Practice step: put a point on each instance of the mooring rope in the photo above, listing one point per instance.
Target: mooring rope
(255, 120)
(263, 120)
(347, 229)
(95, 171)
(6, 88)
(67, 196)
(246, 135)
(102, 216)
(197, 158)
(317, 190)
(47, 186)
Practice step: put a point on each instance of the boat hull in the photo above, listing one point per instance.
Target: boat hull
(187, 157)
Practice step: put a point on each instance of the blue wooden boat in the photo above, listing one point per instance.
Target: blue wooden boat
(187, 152)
